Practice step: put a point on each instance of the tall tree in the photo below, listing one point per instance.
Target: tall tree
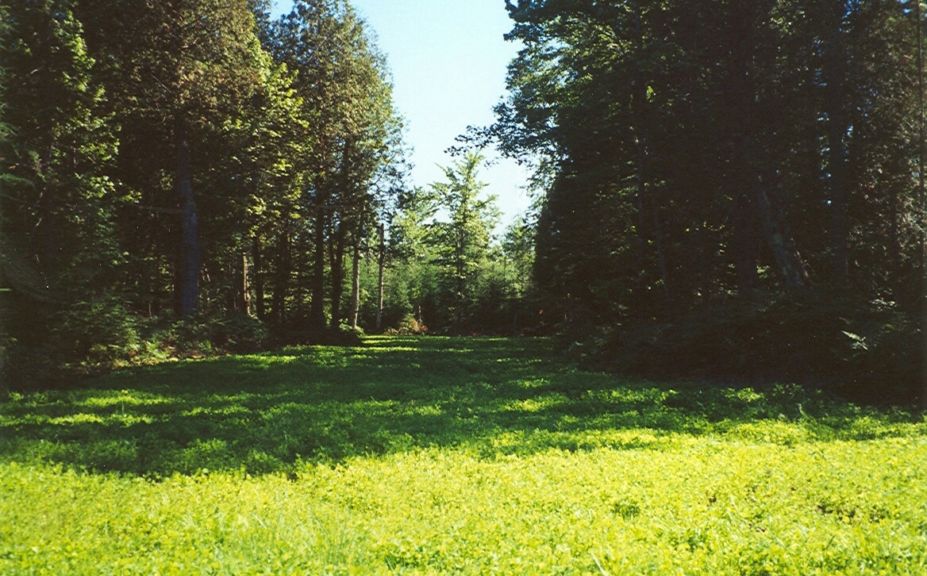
(340, 75)
(60, 255)
(463, 240)
(179, 67)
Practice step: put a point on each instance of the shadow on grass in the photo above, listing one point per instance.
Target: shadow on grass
(266, 413)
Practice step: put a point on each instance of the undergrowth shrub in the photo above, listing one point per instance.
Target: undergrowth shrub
(299, 331)
(95, 336)
(408, 326)
(865, 351)
(206, 335)
(96, 333)
(85, 336)
(238, 333)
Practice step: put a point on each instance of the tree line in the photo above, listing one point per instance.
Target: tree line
(759, 159)
(185, 159)
(725, 188)
(194, 176)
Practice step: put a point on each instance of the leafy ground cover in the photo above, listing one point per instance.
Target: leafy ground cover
(451, 455)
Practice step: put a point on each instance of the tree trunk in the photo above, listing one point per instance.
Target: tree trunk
(336, 255)
(660, 251)
(282, 281)
(189, 257)
(4, 310)
(258, 273)
(355, 283)
(922, 193)
(639, 115)
(744, 244)
(461, 280)
(381, 283)
(243, 293)
(779, 239)
(317, 307)
(738, 124)
(638, 103)
(835, 75)
(753, 204)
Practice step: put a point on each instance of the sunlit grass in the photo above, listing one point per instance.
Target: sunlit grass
(451, 455)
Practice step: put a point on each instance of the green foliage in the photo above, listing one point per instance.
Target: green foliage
(60, 254)
(95, 333)
(468, 455)
(408, 326)
(697, 152)
(233, 333)
(448, 271)
(691, 164)
(158, 159)
(867, 351)
(201, 336)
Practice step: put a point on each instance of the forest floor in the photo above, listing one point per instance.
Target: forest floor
(460, 455)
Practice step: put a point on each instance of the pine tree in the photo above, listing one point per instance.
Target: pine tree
(61, 256)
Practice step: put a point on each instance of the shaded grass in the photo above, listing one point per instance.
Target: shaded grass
(267, 413)
(472, 456)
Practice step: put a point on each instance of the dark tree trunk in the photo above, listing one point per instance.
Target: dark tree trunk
(4, 311)
(638, 103)
(660, 251)
(336, 256)
(282, 278)
(744, 244)
(779, 239)
(355, 282)
(835, 75)
(752, 200)
(317, 307)
(189, 257)
(258, 274)
(921, 191)
(381, 281)
(461, 280)
(641, 178)
(894, 244)
(738, 109)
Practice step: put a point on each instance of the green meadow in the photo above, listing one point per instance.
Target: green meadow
(451, 455)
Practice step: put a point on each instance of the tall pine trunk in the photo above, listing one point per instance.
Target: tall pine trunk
(336, 256)
(317, 307)
(734, 157)
(381, 281)
(243, 291)
(257, 259)
(753, 204)
(835, 75)
(282, 278)
(779, 239)
(189, 256)
(641, 177)
(355, 282)
(743, 241)
(921, 191)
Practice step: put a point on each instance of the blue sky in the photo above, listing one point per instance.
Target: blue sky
(448, 61)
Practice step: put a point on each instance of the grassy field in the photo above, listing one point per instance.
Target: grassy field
(476, 456)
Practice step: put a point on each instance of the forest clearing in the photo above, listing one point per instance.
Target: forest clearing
(463, 455)
(611, 287)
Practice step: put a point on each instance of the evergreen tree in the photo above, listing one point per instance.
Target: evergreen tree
(177, 70)
(60, 252)
(463, 241)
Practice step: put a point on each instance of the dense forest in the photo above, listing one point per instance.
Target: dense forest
(730, 188)
(723, 188)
